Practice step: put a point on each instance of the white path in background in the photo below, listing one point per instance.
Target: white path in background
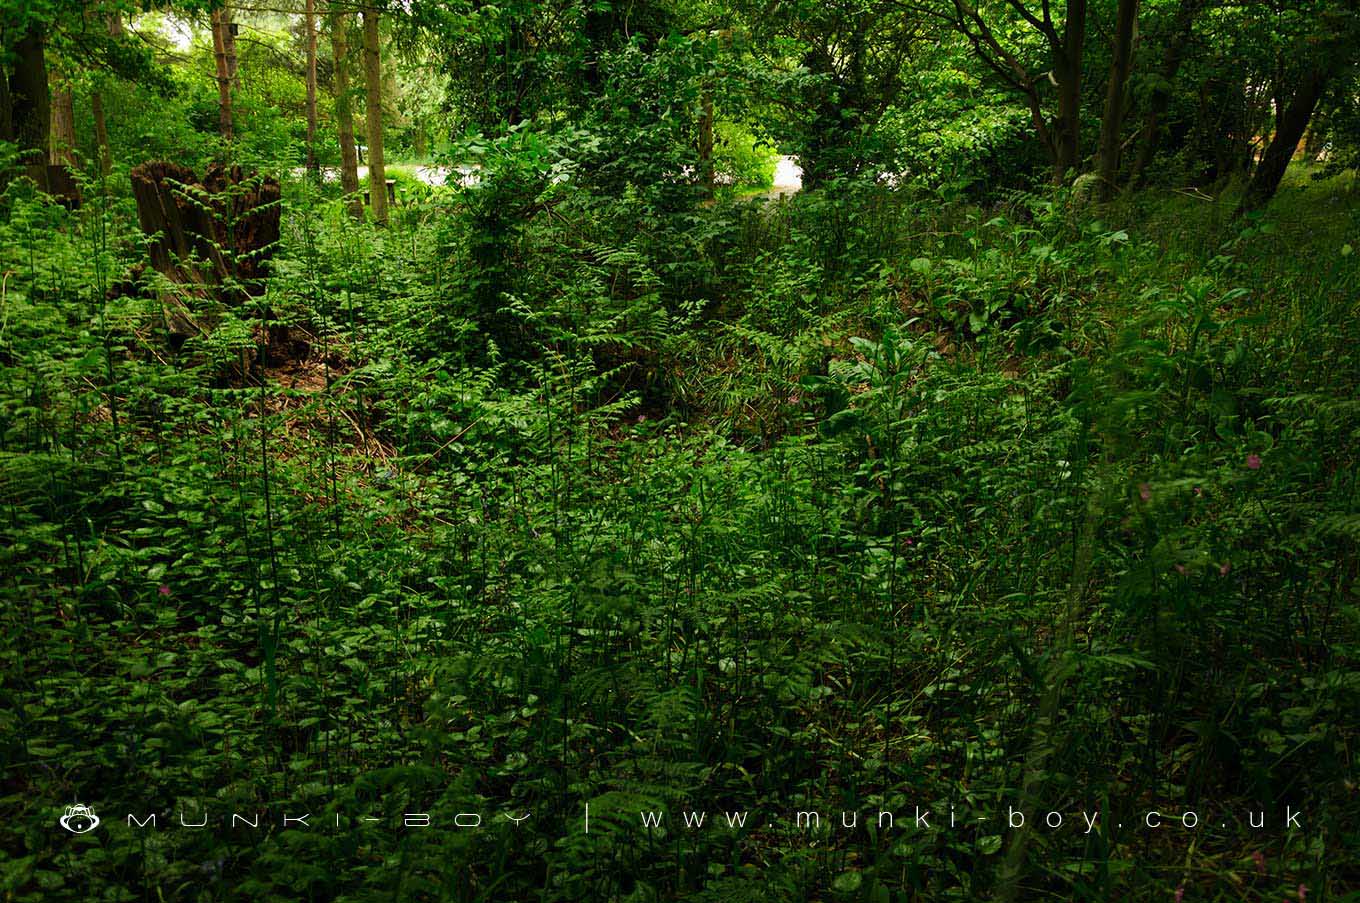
(788, 176)
(430, 175)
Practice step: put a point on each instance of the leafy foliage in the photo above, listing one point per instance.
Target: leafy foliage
(921, 489)
(525, 532)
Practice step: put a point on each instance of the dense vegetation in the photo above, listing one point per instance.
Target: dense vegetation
(1008, 466)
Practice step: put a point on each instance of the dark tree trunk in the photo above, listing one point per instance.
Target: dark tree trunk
(1121, 62)
(706, 180)
(1067, 72)
(6, 108)
(101, 133)
(1150, 135)
(1293, 121)
(30, 103)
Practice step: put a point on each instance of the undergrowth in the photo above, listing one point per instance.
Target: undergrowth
(546, 496)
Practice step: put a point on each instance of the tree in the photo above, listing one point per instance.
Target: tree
(1162, 84)
(344, 114)
(309, 25)
(1121, 61)
(63, 129)
(101, 129)
(1326, 51)
(224, 58)
(1292, 121)
(706, 172)
(1065, 44)
(77, 39)
(835, 69)
(377, 174)
(510, 61)
(29, 101)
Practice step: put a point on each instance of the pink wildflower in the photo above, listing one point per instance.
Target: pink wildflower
(1145, 492)
(1253, 461)
(1180, 893)
(1180, 569)
(1303, 892)
(1223, 569)
(1260, 861)
(164, 590)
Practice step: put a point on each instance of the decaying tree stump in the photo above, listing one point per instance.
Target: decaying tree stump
(219, 230)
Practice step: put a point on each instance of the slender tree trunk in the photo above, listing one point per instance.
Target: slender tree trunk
(6, 109)
(1121, 61)
(1067, 127)
(229, 45)
(101, 129)
(1293, 121)
(706, 141)
(344, 113)
(391, 94)
(220, 33)
(101, 133)
(313, 166)
(1160, 98)
(377, 174)
(30, 103)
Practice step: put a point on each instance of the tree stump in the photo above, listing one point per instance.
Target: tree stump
(219, 231)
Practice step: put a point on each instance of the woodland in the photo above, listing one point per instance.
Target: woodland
(585, 414)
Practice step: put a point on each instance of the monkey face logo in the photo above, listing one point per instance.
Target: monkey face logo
(79, 819)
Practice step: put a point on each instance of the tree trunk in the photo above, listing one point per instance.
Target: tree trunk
(1160, 98)
(30, 103)
(101, 133)
(61, 176)
(344, 114)
(6, 109)
(391, 95)
(220, 33)
(63, 132)
(1121, 61)
(313, 166)
(1292, 124)
(1067, 70)
(101, 129)
(377, 174)
(229, 45)
(706, 142)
